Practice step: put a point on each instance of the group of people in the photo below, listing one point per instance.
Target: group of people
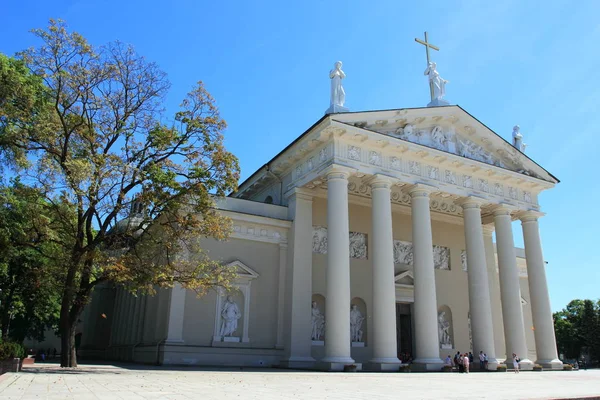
(463, 361)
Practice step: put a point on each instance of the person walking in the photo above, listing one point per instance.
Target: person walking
(481, 361)
(466, 362)
(516, 363)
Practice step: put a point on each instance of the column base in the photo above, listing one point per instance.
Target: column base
(298, 363)
(339, 366)
(492, 364)
(428, 364)
(550, 364)
(384, 364)
(526, 365)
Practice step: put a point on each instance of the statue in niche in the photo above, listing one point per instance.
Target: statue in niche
(230, 314)
(356, 321)
(318, 322)
(444, 331)
(438, 83)
(338, 95)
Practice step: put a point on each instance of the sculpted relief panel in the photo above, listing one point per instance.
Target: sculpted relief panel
(358, 243)
(403, 254)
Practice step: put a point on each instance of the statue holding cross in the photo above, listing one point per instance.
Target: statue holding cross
(437, 85)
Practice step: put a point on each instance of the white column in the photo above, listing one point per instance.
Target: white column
(545, 340)
(426, 327)
(176, 313)
(298, 279)
(510, 291)
(383, 333)
(337, 306)
(281, 294)
(482, 327)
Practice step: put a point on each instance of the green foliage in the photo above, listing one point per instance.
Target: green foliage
(90, 134)
(577, 329)
(10, 350)
(29, 297)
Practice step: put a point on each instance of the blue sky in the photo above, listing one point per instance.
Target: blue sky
(266, 63)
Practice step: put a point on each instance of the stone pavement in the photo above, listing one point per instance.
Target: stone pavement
(133, 382)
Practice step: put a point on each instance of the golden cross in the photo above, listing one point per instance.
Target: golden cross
(427, 47)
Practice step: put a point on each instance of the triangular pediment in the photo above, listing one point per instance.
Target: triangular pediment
(448, 129)
(405, 278)
(242, 270)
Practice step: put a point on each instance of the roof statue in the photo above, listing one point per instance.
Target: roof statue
(338, 95)
(518, 139)
(437, 85)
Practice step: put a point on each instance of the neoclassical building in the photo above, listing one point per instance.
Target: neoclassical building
(365, 241)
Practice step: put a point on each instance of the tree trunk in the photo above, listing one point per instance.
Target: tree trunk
(67, 340)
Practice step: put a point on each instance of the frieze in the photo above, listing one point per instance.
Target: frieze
(512, 192)
(463, 260)
(527, 197)
(450, 177)
(414, 167)
(483, 185)
(354, 153)
(375, 158)
(323, 154)
(310, 163)
(396, 163)
(468, 181)
(498, 189)
(433, 172)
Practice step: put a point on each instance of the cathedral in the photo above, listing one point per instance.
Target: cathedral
(366, 242)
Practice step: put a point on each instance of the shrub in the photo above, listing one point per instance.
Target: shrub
(10, 350)
(405, 368)
(501, 368)
(538, 367)
(447, 368)
(567, 367)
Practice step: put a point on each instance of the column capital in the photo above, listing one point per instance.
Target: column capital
(470, 202)
(420, 190)
(338, 172)
(379, 181)
(488, 229)
(502, 209)
(529, 216)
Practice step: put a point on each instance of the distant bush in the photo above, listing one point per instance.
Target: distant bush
(10, 350)
(501, 368)
(567, 367)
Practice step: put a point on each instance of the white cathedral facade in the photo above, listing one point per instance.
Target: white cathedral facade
(366, 241)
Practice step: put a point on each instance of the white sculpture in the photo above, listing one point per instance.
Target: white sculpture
(230, 315)
(444, 331)
(441, 257)
(437, 82)
(338, 95)
(358, 245)
(318, 322)
(356, 320)
(518, 139)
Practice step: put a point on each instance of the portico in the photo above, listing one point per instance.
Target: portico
(429, 166)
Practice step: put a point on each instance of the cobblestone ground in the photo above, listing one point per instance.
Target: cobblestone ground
(135, 382)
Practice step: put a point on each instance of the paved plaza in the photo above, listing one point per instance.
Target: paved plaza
(132, 382)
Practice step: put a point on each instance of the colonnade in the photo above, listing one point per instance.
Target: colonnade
(383, 339)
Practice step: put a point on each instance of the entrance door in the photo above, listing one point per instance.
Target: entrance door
(404, 337)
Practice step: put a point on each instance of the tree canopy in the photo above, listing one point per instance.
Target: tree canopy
(85, 126)
(577, 329)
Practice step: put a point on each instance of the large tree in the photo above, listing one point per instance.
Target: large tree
(30, 293)
(97, 138)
